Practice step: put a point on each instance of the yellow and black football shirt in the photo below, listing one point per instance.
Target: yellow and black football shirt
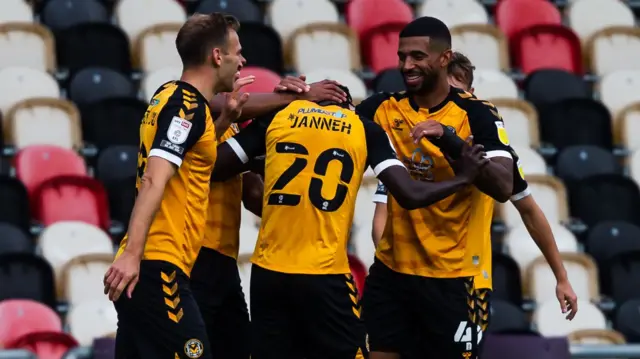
(446, 239)
(224, 214)
(315, 160)
(178, 127)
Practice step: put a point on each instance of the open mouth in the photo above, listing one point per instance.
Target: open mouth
(412, 79)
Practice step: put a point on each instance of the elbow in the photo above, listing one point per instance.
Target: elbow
(407, 202)
(502, 196)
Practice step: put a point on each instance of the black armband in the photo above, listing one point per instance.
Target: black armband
(449, 143)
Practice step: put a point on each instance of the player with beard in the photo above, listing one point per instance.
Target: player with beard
(419, 294)
(460, 72)
(158, 316)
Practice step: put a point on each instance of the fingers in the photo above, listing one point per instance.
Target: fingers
(293, 84)
(572, 307)
(243, 99)
(132, 286)
(469, 140)
(303, 77)
(116, 291)
(110, 278)
(112, 286)
(243, 81)
(563, 303)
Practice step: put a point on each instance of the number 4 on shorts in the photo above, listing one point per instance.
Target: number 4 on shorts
(463, 334)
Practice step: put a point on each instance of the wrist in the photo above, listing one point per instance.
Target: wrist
(133, 252)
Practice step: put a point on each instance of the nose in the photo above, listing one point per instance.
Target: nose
(243, 61)
(407, 65)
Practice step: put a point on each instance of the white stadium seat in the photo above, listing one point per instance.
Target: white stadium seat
(552, 323)
(363, 222)
(490, 84)
(524, 250)
(21, 83)
(614, 49)
(28, 45)
(356, 87)
(455, 12)
(15, 11)
(635, 166)
(286, 16)
(157, 47)
(152, 81)
(586, 17)
(92, 319)
(135, 16)
(550, 195)
(628, 126)
(81, 279)
(531, 161)
(249, 229)
(484, 45)
(325, 45)
(581, 271)
(619, 89)
(520, 120)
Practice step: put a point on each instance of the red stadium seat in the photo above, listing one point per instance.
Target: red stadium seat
(36, 164)
(49, 345)
(547, 47)
(365, 15)
(20, 317)
(380, 47)
(512, 16)
(72, 198)
(266, 80)
(244, 124)
(359, 272)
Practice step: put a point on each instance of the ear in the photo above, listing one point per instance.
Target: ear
(471, 90)
(445, 58)
(216, 57)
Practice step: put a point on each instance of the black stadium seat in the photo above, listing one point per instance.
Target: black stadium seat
(93, 45)
(605, 198)
(624, 276)
(244, 10)
(545, 87)
(14, 203)
(627, 320)
(578, 162)
(261, 46)
(576, 122)
(121, 194)
(113, 122)
(61, 14)
(389, 81)
(26, 276)
(506, 317)
(117, 162)
(507, 284)
(14, 240)
(95, 84)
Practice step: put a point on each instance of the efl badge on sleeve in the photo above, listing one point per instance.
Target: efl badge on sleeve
(502, 133)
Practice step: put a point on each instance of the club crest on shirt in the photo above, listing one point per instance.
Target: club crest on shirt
(502, 133)
(397, 123)
(193, 348)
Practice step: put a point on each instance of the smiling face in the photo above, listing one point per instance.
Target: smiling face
(422, 63)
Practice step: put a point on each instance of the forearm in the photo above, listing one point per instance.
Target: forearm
(252, 193)
(146, 205)
(539, 229)
(496, 180)
(379, 221)
(258, 104)
(423, 194)
(221, 125)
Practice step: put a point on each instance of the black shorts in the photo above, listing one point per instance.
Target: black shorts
(419, 317)
(483, 313)
(215, 282)
(295, 316)
(161, 320)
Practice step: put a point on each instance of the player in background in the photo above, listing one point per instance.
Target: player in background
(304, 302)
(158, 316)
(460, 72)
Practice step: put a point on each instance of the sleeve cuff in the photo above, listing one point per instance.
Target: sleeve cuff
(518, 196)
(386, 164)
(499, 153)
(235, 146)
(379, 198)
(166, 155)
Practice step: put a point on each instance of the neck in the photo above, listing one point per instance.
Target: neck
(434, 97)
(201, 80)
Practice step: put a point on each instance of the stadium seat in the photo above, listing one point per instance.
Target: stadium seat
(306, 12)
(266, 80)
(608, 239)
(491, 84)
(93, 319)
(626, 125)
(81, 278)
(362, 222)
(121, 194)
(506, 317)
(605, 197)
(134, 15)
(627, 320)
(356, 87)
(522, 121)
(37, 164)
(249, 227)
(380, 47)
(113, 122)
(525, 345)
(507, 281)
(560, 46)
(117, 162)
(14, 240)
(62, 14)
(364, 16)
(14, 203)
(156, 47)
(552, 323)
(530, 160)
(617, 90)
(83, 199)
(153, 80)
(546, 87)
(359, 273)
(26, 276)
(15, 11)
(513, 16)
(21, 83)
(579, 162)
(47, 345)
(613, 49)
(581, 270)
(588, 122)
(596, 336)
(20, 317)
(44, 121)
(586, 17)
(65, 240)
(524, 250)
(389, 81)
(454, 12)
(30, 45)
(324, 45)
(93, 45)
(262, 46)
(624, 269)
(245, 11)
(550, 194)
(94, 84)
(484, 45)
(634, 166)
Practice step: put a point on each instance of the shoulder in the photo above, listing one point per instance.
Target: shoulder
(370, 105)
(472, 104)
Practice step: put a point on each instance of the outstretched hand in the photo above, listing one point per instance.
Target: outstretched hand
(234, 101)
(325, 90)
